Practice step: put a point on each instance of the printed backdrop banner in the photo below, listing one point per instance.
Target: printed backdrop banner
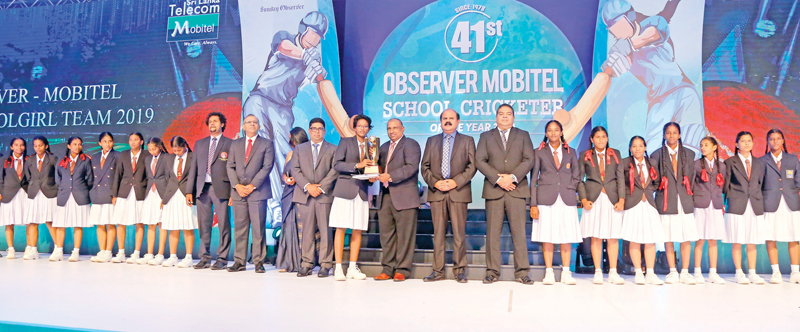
(118, 66)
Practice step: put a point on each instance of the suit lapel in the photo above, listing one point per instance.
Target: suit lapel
(771, 163)
(496, 135)
(397, 147)
(512, 134)
(256, 144)
(738, 165)
(563, 158)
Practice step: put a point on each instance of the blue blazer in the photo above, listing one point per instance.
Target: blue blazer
(103, 176)
(79, 183)
(675, 185)
(551, 181)
(783, 182)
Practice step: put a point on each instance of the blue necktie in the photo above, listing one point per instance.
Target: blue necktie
(446, 157)
(316, 154)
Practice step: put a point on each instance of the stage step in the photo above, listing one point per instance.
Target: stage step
(473, 256)
(472, 227)
(473, 242)
(473, 271)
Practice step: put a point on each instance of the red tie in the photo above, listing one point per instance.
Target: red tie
(71, 166)
(247, 151)
(386, 169)
(40, 165)
(133, 163)
(779, 165)
(642, 176)
(102, 162)
(153, 170)
(180, 168)
(555, 158)
(747, 163)
(19, 168)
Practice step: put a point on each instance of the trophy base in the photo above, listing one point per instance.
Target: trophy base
(371, 170)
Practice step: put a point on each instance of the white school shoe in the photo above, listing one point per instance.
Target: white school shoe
(33, 254)
(57, 255)
(93, 259)
(170, 262)
(26, 254)
(119, 258)
(794, 278)
(615, 279)
(598, 278)
(672, 278)
(653, 279)
(103, 256)
(549, 277)
(146, 258)
(698, 277)
(353, 272)
(756, 279)
(156, 260)
(338, 274)
(75, 256)
(186, 262)
(567, 279)
(687, 279)
(741, 279)
(639, 279)
(10, 253)
(776, 278)
(715, 279)
(134, 257)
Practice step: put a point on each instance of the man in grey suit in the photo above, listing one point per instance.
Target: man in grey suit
(210, 181)
(448, 166)
(312, 169)
(249, 163)
(397, 217)
(505, 156)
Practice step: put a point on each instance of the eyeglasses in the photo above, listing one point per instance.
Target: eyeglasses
(317, 129)
(251, 122)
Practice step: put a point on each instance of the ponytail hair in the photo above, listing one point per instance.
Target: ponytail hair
(24, 149)
(158, 143)
(560, 127)
(591, 136)
(141, 138)
(180, 141)
(776, 131)
(45, 142)
(713, 142)
(738, 136)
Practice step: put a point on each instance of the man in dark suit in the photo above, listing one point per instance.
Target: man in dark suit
(249, 163)
(505, 157)
(312, 169)
(397, 217)
(448, 166)
(209, 178)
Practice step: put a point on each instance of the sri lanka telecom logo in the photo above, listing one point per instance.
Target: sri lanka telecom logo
(193, 20)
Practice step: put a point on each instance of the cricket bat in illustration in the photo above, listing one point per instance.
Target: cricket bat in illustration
(327, 93)
(574, 119)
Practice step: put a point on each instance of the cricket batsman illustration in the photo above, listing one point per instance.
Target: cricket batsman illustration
(644, 49)
(294, 61)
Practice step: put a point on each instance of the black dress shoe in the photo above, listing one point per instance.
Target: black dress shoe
(433, 277)
(324, 272)
(489, 279)
(203, 264)
(304, 272)
(219, 265)
(461, 278)
(524, 280)
(260, 267)
(237, 267)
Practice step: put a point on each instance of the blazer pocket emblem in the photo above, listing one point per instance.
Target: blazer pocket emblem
(223, 156)
(790, 174)
(568, 165)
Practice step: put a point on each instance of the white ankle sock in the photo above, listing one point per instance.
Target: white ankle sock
(673, 270)
(352, 265)
(173, 255)
(752, 272)
(598, 270)
(651, 270)
(712, 270)
(121, 251)
(795, 268)
(776, 268)
(739, 271)
(339, 266)
(698, 270)
(136, 252)
(548, 270)
(76, 250)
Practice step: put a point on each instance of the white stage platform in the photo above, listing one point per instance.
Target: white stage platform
(143, 298)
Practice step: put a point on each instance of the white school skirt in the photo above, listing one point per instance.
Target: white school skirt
(710, 223)
(151, 208)
(782, 225)
(349, 213)
(128, 211)
(13, 213)
(679, 227)
(177, 215)
(745, 228)
(40, 209)
(72, 214)
(557, 223)
(602, 221)
(642, 224)
(101, 214)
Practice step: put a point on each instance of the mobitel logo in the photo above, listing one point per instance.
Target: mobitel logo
(193, 27)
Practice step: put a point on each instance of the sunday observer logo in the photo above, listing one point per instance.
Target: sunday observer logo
(193, 20)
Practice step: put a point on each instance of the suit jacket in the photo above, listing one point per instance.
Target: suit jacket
(403, 169)
(517, 159)
(675, 185)
(255, 171)
(101, 190)
(159, 178)
(706, 193)
(44, 180)
(462, 167)
(10, 182)
(593, 184)
(172, 183)
(739, 189)
(79, 183)
(628, 165)
(550, 182)
(344, 161)
(306, 172)
(779, 183)
(219, 171)
(125, 178)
